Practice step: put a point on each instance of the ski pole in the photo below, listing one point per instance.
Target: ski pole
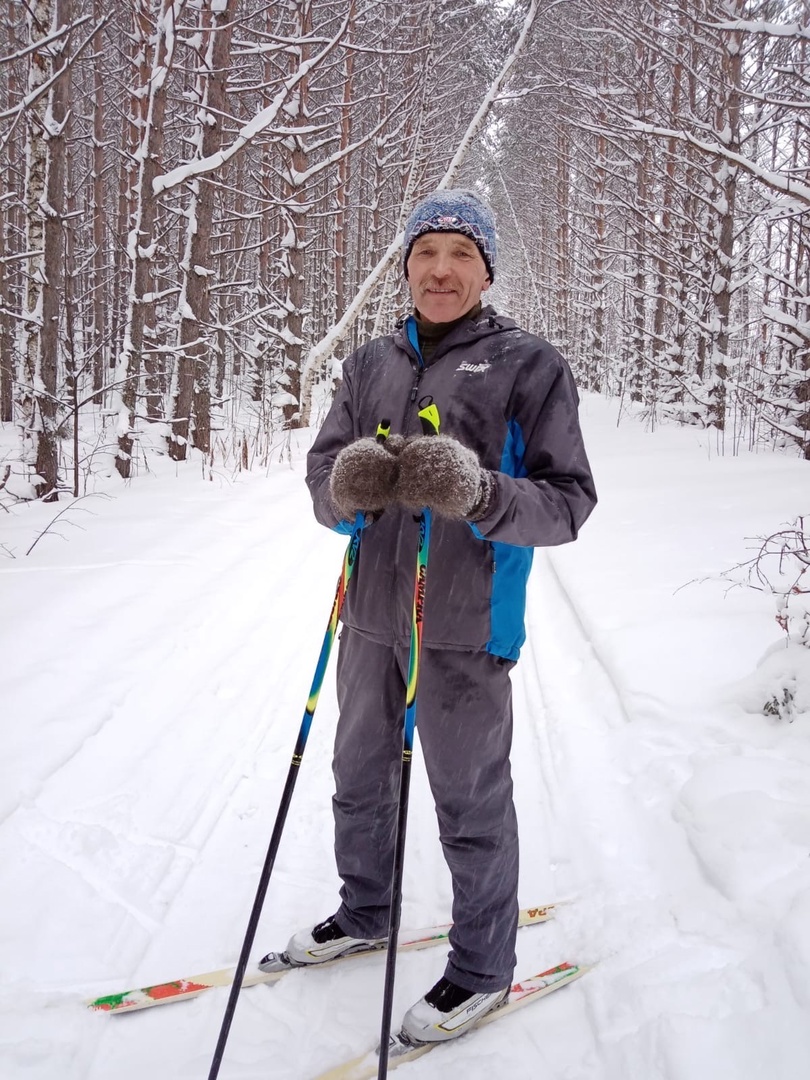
(429, 417)
(349, 561)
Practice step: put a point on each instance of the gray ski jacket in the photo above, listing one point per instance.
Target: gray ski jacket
(510, 397)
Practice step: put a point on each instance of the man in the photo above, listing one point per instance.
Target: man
(508, 472)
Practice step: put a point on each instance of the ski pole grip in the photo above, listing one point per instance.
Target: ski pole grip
(383, 430)
(429, 416)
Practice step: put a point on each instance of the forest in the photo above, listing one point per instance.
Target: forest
(202, 201)
(202, 208)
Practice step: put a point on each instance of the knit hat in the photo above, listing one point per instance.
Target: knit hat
(457, 211)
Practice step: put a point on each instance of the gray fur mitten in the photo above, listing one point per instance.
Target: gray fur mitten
(363, 477)
(439, 472)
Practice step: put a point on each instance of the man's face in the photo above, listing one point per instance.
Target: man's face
(446, 275)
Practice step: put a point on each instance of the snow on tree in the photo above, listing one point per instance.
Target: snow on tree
(214, 241)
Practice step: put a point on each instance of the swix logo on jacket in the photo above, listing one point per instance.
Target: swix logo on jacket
(521, 421)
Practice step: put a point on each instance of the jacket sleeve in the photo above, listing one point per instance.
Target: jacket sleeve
(338, 430)
(544, 490)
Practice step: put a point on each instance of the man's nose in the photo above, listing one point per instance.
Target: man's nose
(441, 265)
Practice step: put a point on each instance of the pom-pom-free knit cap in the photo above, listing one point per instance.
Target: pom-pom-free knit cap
(456, 210)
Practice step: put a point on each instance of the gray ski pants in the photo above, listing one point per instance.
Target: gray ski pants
(464, 727)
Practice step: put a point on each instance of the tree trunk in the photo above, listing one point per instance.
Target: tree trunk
(562, 275)
(293, 216)
(6, 331)
(728, 129)
(156, 46)
(99, 344)
(44, 199)
(193, 390)
(342, 192)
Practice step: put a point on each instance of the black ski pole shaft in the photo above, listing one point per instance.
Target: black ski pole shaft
(349, 561)
(409, 726)
(429, 417)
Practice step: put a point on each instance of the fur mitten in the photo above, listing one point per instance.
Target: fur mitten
(364, 476)
(439, 472)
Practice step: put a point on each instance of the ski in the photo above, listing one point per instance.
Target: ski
(401, 1049)
(185, 989)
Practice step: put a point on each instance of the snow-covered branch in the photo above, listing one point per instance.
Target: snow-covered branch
(326, 346)
(34, 96)
(775, 180)
(302, 178)
(259, 123)
(491, 95)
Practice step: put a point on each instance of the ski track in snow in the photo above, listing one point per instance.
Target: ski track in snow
(116, 827)
(163, 745)
(669, 945)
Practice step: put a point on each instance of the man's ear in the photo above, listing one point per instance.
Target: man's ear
(486, 285)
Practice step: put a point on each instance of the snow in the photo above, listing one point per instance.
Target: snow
(283, 398)
(155, 665)
(759, 26)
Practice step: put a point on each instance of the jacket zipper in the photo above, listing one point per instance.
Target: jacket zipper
(412, 398)
(418, 369)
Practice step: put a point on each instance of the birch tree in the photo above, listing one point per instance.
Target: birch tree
(99, 258)
(46, 117)
(6, 327)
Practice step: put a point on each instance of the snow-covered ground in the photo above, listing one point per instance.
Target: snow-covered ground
(153, 673)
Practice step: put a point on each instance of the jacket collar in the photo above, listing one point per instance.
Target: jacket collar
(489, 322)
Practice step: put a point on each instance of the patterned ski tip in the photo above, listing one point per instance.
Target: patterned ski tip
(161, 993)
(522, 993)
(146, 997)
(148, 994)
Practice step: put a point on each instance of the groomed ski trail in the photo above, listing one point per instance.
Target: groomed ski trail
(170, 744)
(683, 980)
(175, 772)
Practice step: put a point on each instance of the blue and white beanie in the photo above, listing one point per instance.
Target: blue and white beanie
(459, 211)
